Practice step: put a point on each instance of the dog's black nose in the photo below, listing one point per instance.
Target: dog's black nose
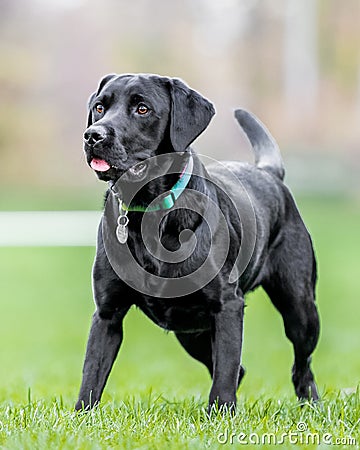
(94, 135)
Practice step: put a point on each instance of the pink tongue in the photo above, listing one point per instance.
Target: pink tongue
(100, 165)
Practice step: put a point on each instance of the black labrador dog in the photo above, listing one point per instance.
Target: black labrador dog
(140, 128)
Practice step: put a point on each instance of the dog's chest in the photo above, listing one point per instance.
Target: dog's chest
(184, 314)
(165, 256)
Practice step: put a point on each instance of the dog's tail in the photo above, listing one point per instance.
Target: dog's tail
(267, 153)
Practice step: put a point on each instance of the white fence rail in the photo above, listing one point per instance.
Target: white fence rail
(48, 228)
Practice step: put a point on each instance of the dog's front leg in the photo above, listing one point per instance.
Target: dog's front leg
(102, 347)
(226, 352)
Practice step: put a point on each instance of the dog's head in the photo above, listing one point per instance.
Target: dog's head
(135, 117)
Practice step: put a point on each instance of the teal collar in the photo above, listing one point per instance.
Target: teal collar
(169, 200)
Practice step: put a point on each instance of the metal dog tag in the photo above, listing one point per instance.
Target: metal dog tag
(121, 229)
(122, 223)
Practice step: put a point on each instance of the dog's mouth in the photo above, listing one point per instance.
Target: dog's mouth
(137, 172)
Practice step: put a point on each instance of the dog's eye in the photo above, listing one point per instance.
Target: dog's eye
(142, 109)
(99, 108)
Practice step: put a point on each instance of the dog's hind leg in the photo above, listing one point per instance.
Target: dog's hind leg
(198, 345)
(291, 288)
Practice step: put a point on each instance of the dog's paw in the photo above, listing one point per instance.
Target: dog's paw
(305, 386)
(217, 407)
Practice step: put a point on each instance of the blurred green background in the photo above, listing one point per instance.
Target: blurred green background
(296, 64)
(46, 308)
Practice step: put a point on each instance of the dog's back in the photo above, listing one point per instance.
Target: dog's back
(260, 197)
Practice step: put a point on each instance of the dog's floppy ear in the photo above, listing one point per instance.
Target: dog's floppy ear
(89, 119)
(105, 80)
(102, 83)
(190, 115)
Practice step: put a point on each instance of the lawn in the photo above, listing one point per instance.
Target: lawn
(156, 394)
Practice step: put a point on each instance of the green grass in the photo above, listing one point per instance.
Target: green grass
(156, 423)
(156, 394)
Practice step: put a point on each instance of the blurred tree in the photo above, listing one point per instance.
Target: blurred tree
(283, 60)
(301, 72)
